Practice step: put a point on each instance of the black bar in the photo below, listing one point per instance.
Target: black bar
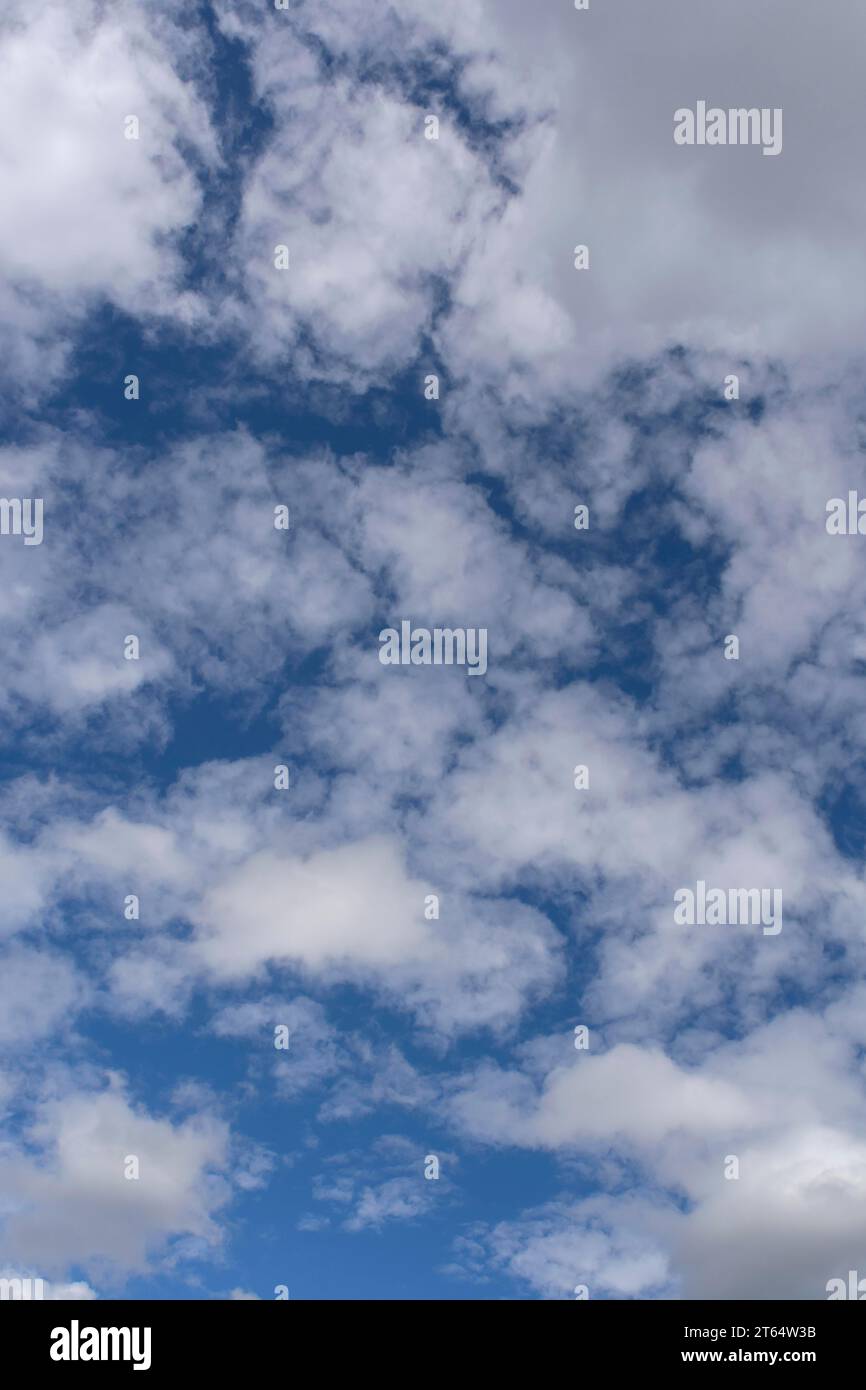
(296, 1338)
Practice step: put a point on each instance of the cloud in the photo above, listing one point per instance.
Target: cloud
(386, 1184)
(407, 256)
(562, 1251)
(218, 597)
(314, 1053)
(398, 1199)
(353, 912)
(92, 214)
(377, 218)
(783, 1105)
(705, 247)
(627, 1094)
(68, 1202)
(39, 993)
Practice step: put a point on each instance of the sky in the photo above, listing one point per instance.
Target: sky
(327, 978)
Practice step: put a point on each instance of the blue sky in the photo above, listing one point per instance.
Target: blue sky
(711, 1046)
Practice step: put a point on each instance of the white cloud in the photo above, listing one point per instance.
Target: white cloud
(785, 1103)
(89, 212)
(315, 1051)
(397, 1199)
(39, 994)
(68, 1202)
(708, 247)
(561, 1251)
(353, 912)
(372, 214)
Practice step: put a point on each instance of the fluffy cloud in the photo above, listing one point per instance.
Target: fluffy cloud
(39, 993)
(579, 1250)
(376, 218)
(92, 214)
(785, 1105)
(707, 247)
(353, 912)
(68, 1202)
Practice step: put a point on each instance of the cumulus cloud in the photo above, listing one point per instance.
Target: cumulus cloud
(91, 214)
(39, 993)
(353, 912)
(70, 1203)
(751, 1161)
(698, 246)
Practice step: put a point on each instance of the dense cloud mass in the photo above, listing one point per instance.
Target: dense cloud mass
(298, 349)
